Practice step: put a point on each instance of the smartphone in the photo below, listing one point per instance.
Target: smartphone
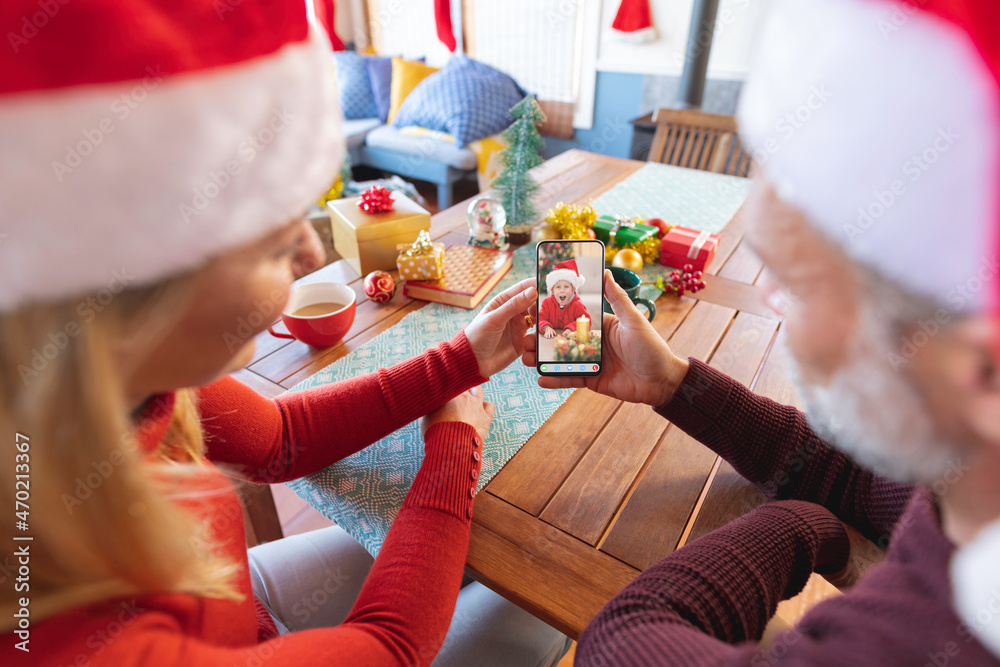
(570, 307)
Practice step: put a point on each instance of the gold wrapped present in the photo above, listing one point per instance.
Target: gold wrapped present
(421, 260)
(368, 241)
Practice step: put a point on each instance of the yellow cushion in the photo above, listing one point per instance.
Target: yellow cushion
(405, 77)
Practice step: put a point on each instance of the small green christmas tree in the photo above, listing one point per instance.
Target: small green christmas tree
(514, 185)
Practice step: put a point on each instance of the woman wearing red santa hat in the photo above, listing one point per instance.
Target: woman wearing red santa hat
(157, 162)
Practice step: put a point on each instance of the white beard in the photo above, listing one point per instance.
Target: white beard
(872, 413)
(975, 581)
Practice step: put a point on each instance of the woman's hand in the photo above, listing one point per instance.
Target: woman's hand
(638, 365)
(468, 407)
(498, 332)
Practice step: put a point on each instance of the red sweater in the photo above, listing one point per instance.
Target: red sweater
(708, 603)
(561, 318)
(405, 607)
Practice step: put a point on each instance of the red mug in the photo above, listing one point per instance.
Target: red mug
(326, 329)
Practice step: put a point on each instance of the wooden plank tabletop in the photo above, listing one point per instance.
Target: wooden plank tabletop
(603, 489)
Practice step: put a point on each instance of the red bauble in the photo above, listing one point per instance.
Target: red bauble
(661, 225)
(590, 233)
(379, 286)
(376, 199)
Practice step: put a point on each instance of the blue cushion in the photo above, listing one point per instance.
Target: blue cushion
(354, 86)
(466, 99)
(380, 73)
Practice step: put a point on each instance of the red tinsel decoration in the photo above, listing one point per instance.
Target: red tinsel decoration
(376, 199)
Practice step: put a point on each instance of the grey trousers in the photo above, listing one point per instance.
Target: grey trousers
(312, 580)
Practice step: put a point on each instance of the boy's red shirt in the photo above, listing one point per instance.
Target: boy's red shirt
(561, 318)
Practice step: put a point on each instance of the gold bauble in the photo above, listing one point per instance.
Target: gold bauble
(626, 258)
(545, 232)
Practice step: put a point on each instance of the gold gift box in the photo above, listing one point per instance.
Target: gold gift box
(427, 266)
(368, 240)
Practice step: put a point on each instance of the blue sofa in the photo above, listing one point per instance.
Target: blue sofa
(384, 147)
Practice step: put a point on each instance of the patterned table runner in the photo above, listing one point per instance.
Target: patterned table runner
(363, 493)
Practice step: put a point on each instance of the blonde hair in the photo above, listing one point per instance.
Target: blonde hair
(104, 516)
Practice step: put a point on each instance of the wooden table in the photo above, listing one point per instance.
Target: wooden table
(604, 489)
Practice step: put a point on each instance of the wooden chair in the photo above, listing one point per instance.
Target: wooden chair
(699, 140)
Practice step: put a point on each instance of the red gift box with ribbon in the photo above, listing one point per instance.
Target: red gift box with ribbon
(682, 245)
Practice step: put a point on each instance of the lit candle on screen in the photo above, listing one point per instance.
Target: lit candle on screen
(582, 329)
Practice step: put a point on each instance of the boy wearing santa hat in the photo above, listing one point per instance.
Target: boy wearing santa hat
(562, 307)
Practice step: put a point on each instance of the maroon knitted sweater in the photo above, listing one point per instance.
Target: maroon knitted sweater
(708, 603)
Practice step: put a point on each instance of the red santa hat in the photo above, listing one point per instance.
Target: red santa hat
(565, 271)
(881, 120)
(634, 22)
(144, 139)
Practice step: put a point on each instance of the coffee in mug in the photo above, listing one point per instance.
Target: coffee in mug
(318, 314)
(318, 309)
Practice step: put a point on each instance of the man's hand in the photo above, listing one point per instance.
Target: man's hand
(498, 332)
(468, 407)
(638, 365)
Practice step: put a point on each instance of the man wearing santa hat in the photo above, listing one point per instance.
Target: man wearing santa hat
(877, 214)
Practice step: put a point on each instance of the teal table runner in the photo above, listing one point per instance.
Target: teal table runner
(363, 493)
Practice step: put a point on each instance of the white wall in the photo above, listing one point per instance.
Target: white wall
(737, 27)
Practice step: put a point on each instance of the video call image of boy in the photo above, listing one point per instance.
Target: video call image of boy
(571, 291)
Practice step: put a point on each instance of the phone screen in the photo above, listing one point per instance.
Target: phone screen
(570, 307)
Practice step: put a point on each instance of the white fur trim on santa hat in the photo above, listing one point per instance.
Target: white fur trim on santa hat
(152, 177)
(572, 277)
(641, 36)
(884, 131)
(975, 580)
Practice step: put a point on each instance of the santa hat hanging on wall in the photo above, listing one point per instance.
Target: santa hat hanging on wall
(565, 271)
(634, 22)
